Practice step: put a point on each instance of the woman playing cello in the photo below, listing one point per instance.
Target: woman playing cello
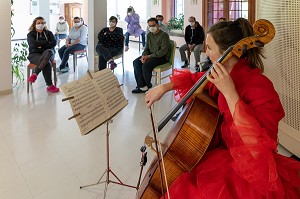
(242, 159)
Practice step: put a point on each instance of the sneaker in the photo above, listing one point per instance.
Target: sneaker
(64, 70)
(32, 78)
(126, 48)
(58, 69)
(143, 48)
(52, 89)
(113, 65)
(186, 64)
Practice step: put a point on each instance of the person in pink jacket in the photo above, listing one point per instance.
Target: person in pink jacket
(133, 27)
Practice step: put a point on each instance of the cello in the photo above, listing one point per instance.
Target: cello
(190, 136)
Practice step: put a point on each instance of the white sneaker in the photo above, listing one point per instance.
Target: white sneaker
(126, 48)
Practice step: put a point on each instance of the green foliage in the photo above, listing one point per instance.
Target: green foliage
(176, 23)
(18, 59)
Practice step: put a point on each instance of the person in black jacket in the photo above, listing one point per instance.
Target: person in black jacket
(110, 43)
(41, 43)
(194, 37)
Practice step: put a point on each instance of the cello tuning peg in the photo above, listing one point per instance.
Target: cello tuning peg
(259, 43)
(244, 48)
(143, 148)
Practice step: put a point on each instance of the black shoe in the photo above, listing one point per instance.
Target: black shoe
(197, 68)
(174, 118)
(138, 90)
(186, 64)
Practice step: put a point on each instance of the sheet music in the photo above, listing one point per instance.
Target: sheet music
(95, 100)
(110, 90)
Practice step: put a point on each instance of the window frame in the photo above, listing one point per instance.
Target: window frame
(251, 11)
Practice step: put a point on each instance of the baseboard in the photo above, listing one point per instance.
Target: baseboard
(289, 138)
(5, 92)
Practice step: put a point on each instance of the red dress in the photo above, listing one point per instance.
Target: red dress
(242, 161)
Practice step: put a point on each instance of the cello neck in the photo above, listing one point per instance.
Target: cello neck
(200, 84)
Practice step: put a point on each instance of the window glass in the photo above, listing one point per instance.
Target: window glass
(119, 7)
(179, 8)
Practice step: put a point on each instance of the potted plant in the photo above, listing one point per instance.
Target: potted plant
(175, 24)
(18, 59)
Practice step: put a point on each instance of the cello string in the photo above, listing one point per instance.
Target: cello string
(160, 150)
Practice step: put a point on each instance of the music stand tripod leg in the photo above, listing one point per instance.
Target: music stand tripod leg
(108, 170)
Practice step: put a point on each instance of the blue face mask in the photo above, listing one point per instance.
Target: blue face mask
(159, 22)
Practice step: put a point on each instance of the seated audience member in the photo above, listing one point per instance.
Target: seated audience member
(194, 37)
(41, 43)
(157, 52)
(110, 43)
(61, 30)
(133, 27)
(162, 26)
(222, 19)
(76, 40)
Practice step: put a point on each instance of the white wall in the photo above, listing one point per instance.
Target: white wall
(192, 10)
(5, 64)
(22, 18)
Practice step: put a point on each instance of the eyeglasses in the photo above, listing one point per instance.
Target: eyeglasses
(151, 26)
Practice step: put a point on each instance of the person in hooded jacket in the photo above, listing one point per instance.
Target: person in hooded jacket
(41, 43)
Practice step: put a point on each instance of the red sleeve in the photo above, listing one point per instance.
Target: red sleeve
(182, 81)
(252, 136)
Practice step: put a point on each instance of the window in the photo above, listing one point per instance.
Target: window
(119, 7)
(230, 9)
(179, 8)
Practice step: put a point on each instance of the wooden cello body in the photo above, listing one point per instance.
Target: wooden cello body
(185, 145)
(189, 138)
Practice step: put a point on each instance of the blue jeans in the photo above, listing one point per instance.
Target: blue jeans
(64, 53)
(143, 39)
(59, 36)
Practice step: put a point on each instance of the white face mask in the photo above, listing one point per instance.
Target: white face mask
(39, 26)
(61, 20)
(192, 23)
(152, 29)
(112, 24)
(77, 24)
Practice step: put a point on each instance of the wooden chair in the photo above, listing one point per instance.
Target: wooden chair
(121, 55)
(31, 67)
(76, 53)
(164, 67)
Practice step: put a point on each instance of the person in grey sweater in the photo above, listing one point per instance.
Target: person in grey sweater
(157, 52)
(61, 30)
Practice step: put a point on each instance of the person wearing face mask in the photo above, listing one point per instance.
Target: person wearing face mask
(76, 40)
(61, 30)
(110, 43)
(157, 52)
(133, 27)
(41, 43)
(194, 37)
(162, 26)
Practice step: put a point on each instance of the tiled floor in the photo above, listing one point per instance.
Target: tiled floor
(43, 155)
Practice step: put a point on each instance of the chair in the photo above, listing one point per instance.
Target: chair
(78, 52)
(164, 67)
(121, 55)
(31, 67)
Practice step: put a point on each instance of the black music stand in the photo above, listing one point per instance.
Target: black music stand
(108, 169)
